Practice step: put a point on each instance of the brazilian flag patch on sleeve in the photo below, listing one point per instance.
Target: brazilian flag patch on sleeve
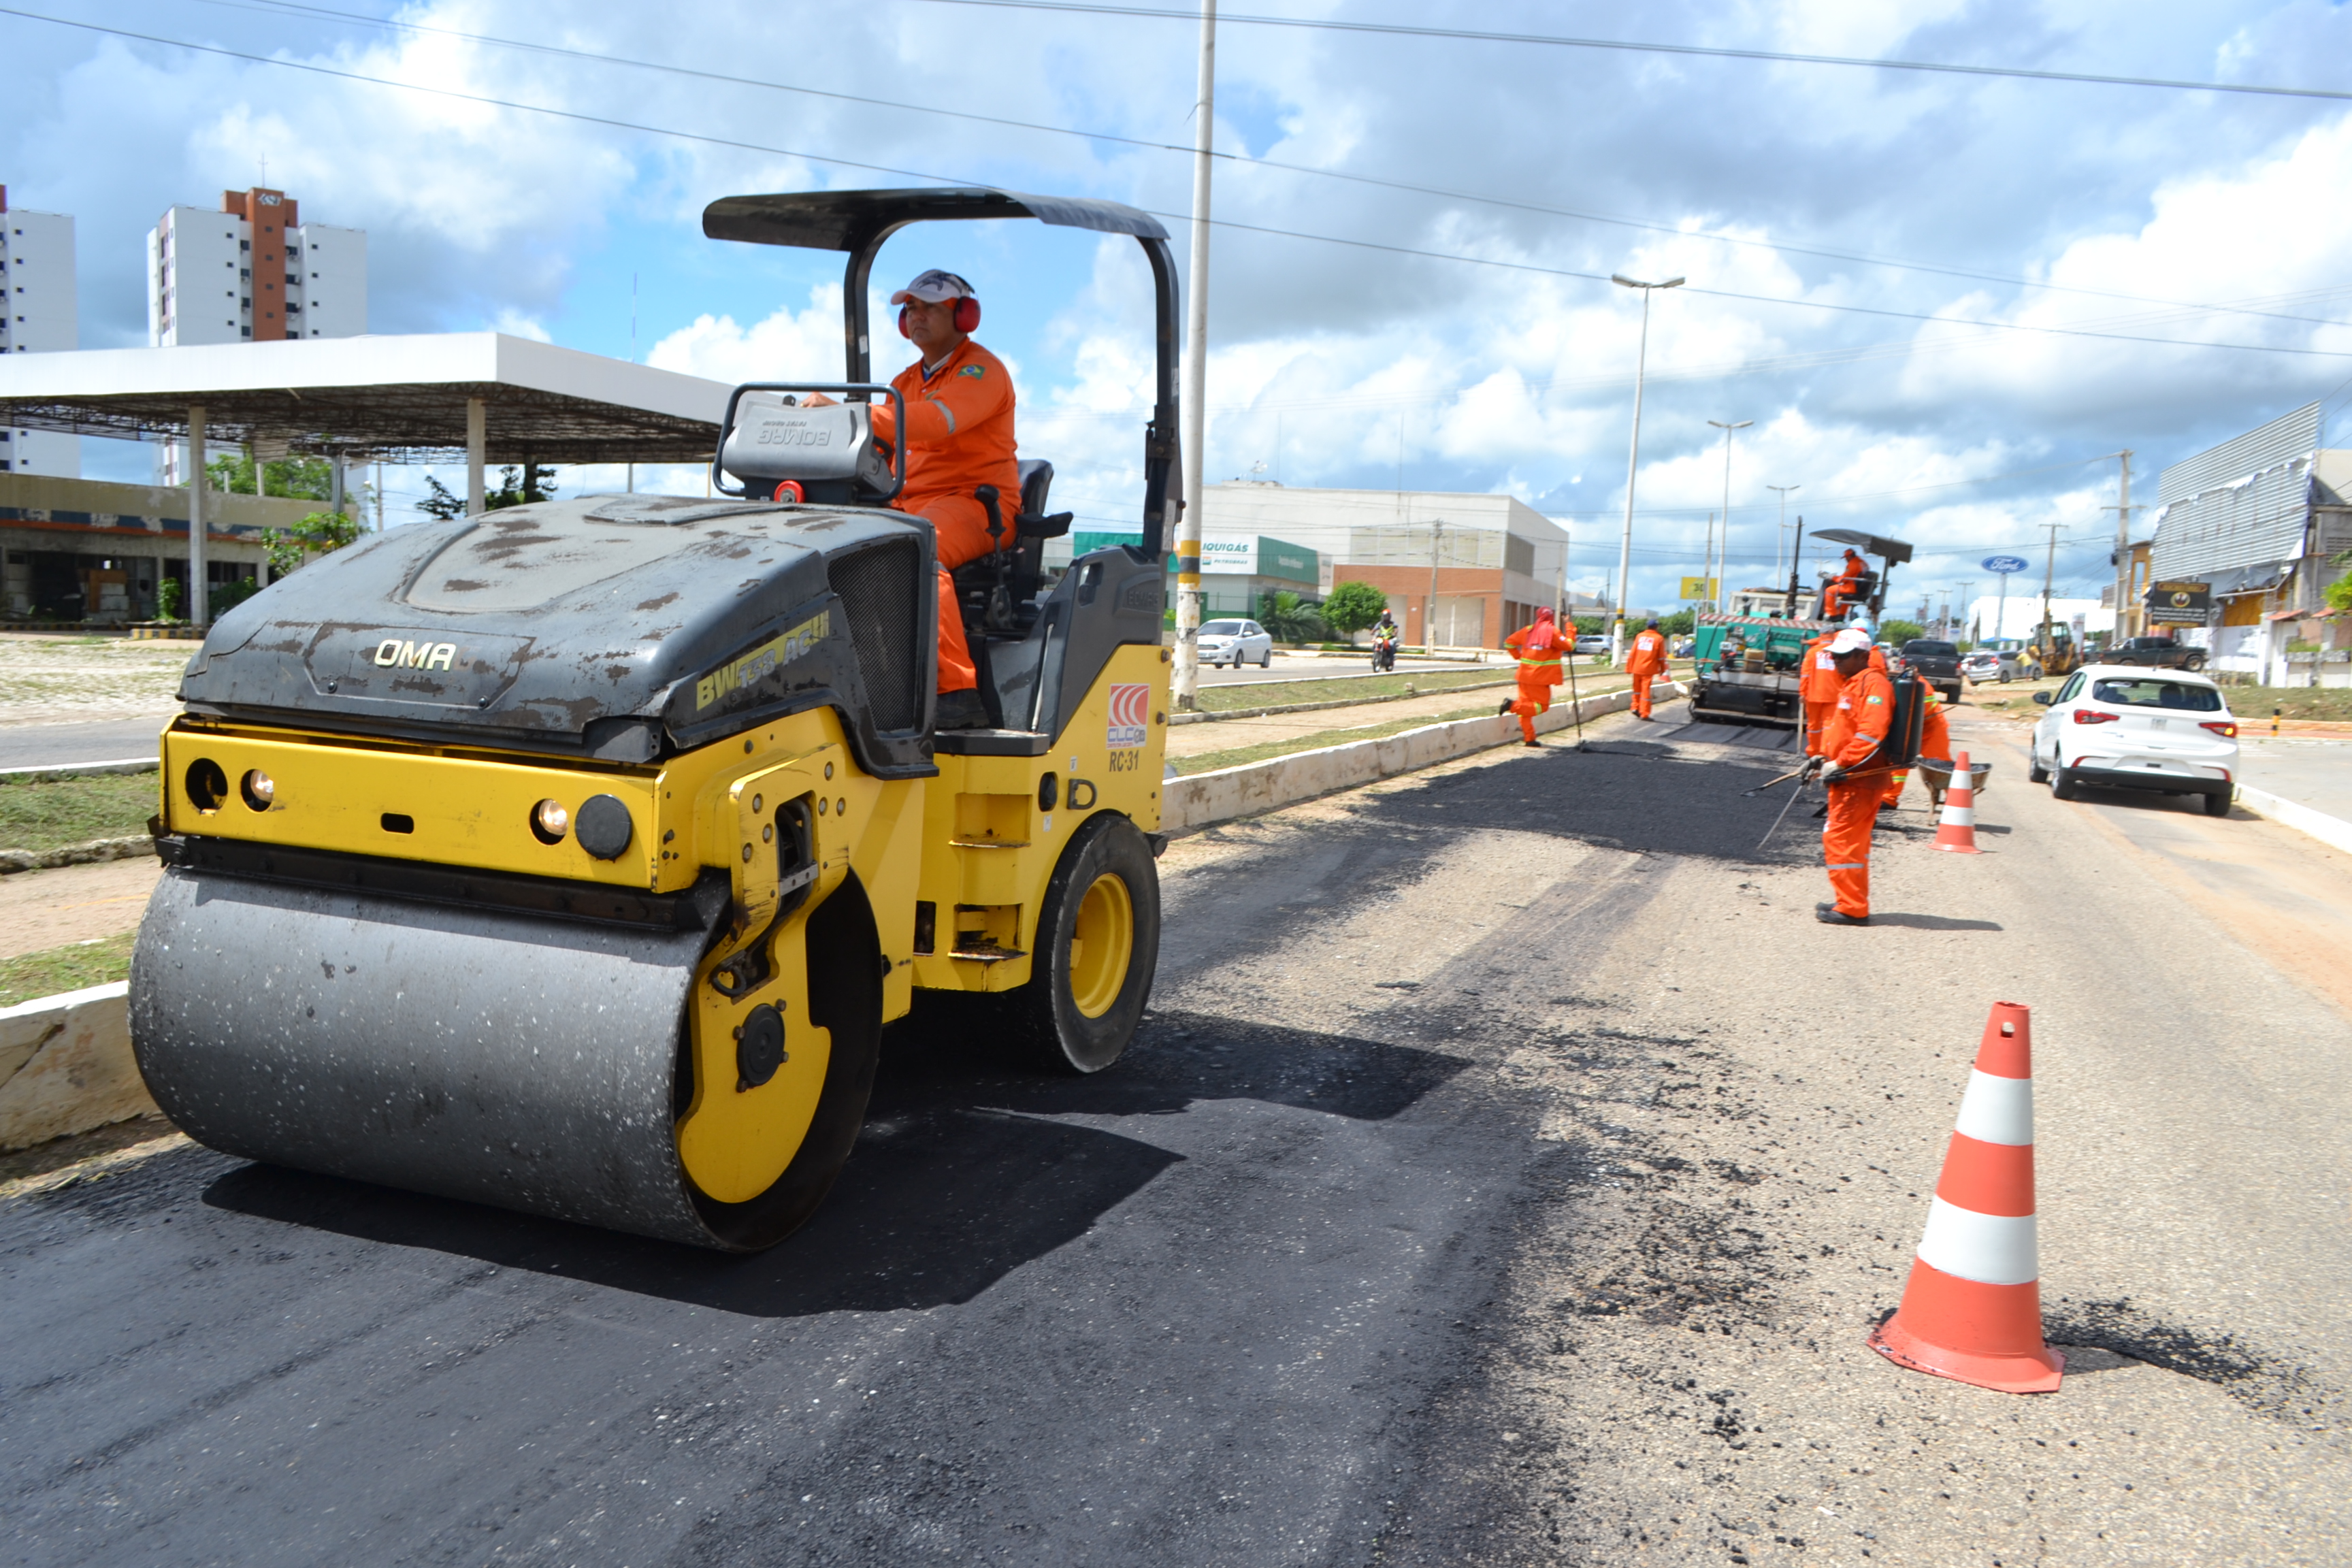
(973, 371)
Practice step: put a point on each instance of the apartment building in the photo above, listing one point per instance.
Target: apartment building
(253, 272)
(36, 273)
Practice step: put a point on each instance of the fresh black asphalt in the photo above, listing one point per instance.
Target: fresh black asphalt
(1197, 1309)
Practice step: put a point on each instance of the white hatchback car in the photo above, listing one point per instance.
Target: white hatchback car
(1237, 643)
(2115, 726)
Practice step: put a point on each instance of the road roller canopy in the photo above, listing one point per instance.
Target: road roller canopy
(859, 221)
(621, 627)
(1894, 552)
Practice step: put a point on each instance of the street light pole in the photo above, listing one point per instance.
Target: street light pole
(1429, 610)
(1632, 461)
(1187, 672)
(1778, 529)
(1727, 430)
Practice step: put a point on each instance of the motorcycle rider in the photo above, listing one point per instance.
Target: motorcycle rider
(1385, 638)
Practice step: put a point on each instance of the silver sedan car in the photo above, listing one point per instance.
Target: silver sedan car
(1237, 643)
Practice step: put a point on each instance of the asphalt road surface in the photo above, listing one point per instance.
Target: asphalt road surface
(1508, 1172)
(105, 740)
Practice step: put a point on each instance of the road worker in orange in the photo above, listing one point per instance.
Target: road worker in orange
(959, 436)
(1845, 587)
(1646, 661)
(1540, 647)
(1857, 728)
(1935, 741)
(1818, 689)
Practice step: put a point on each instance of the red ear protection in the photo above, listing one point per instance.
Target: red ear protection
(967, 316)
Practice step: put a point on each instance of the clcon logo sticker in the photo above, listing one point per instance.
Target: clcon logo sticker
(1130, 707)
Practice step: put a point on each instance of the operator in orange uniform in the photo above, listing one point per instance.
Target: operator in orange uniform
(1540, 648)
(1864, 713)
(1935, 741)
(959, 436)
(1845, 587)
(1818, 689)
(1646, 661)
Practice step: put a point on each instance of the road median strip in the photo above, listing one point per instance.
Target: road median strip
(1200, 800)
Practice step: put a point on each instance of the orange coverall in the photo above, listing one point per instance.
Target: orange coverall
(959, 436)
(1540, 648)
(1866, 707)
(1935, 741)
(1646, 661)
(1842, 587)
(1818, 689)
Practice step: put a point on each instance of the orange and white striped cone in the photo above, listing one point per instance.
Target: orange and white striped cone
(1972, 1309)
(1956, 830)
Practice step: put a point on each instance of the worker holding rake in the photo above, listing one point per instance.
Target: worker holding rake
(1858, 726)
(1539, 646)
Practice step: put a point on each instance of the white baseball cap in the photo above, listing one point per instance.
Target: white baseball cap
(933, 287)
(1853, 639)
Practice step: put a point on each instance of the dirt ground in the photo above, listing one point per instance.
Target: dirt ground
(41, 910)
(64, 680)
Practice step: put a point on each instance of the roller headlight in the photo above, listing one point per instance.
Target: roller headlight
(260, 789)
(550, 822)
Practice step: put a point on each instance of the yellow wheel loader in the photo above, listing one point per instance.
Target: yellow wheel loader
(572, 858)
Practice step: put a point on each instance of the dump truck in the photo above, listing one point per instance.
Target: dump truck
(572, 858)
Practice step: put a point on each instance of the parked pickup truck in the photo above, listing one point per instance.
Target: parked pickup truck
(2164, 653)
(1936, 662)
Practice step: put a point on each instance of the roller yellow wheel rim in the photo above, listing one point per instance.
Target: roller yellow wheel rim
(1102, 943)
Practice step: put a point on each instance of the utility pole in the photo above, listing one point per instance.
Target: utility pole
(1779, 529)
(2123, 549)
(1429, 610)
(2048, 574)
(1196, 377)
(1727, 430)
(1632, 461)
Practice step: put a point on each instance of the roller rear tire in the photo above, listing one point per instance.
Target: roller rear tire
(1097, 948)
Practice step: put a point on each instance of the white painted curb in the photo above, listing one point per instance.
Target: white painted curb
(2331, 831)
(1201, 799)
(65, 1066)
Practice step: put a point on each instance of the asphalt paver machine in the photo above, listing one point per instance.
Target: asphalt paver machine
(1749, 668)
(572, 858)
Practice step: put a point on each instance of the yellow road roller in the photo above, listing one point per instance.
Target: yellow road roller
(572, 858)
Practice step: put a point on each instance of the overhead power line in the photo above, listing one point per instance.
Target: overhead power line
(1703, 51)
(396, 25)
(613, 123)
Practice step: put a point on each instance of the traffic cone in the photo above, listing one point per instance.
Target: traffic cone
(1972, 1309)
(1956, 830)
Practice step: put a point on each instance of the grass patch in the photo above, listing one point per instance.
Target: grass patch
(55, 811)
(2250, 703)
(1209, 761)
(85, 963)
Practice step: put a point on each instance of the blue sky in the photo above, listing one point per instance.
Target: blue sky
(1990, 205)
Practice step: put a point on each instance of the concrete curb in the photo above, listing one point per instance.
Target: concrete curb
(81, 770)
(1199, 800)
(2331, 831)
(89, 853)
(65, 1066)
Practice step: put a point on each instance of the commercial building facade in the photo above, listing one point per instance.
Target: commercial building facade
(78, 551)
(1495, 559)
(2256, 522)
(37, 315)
